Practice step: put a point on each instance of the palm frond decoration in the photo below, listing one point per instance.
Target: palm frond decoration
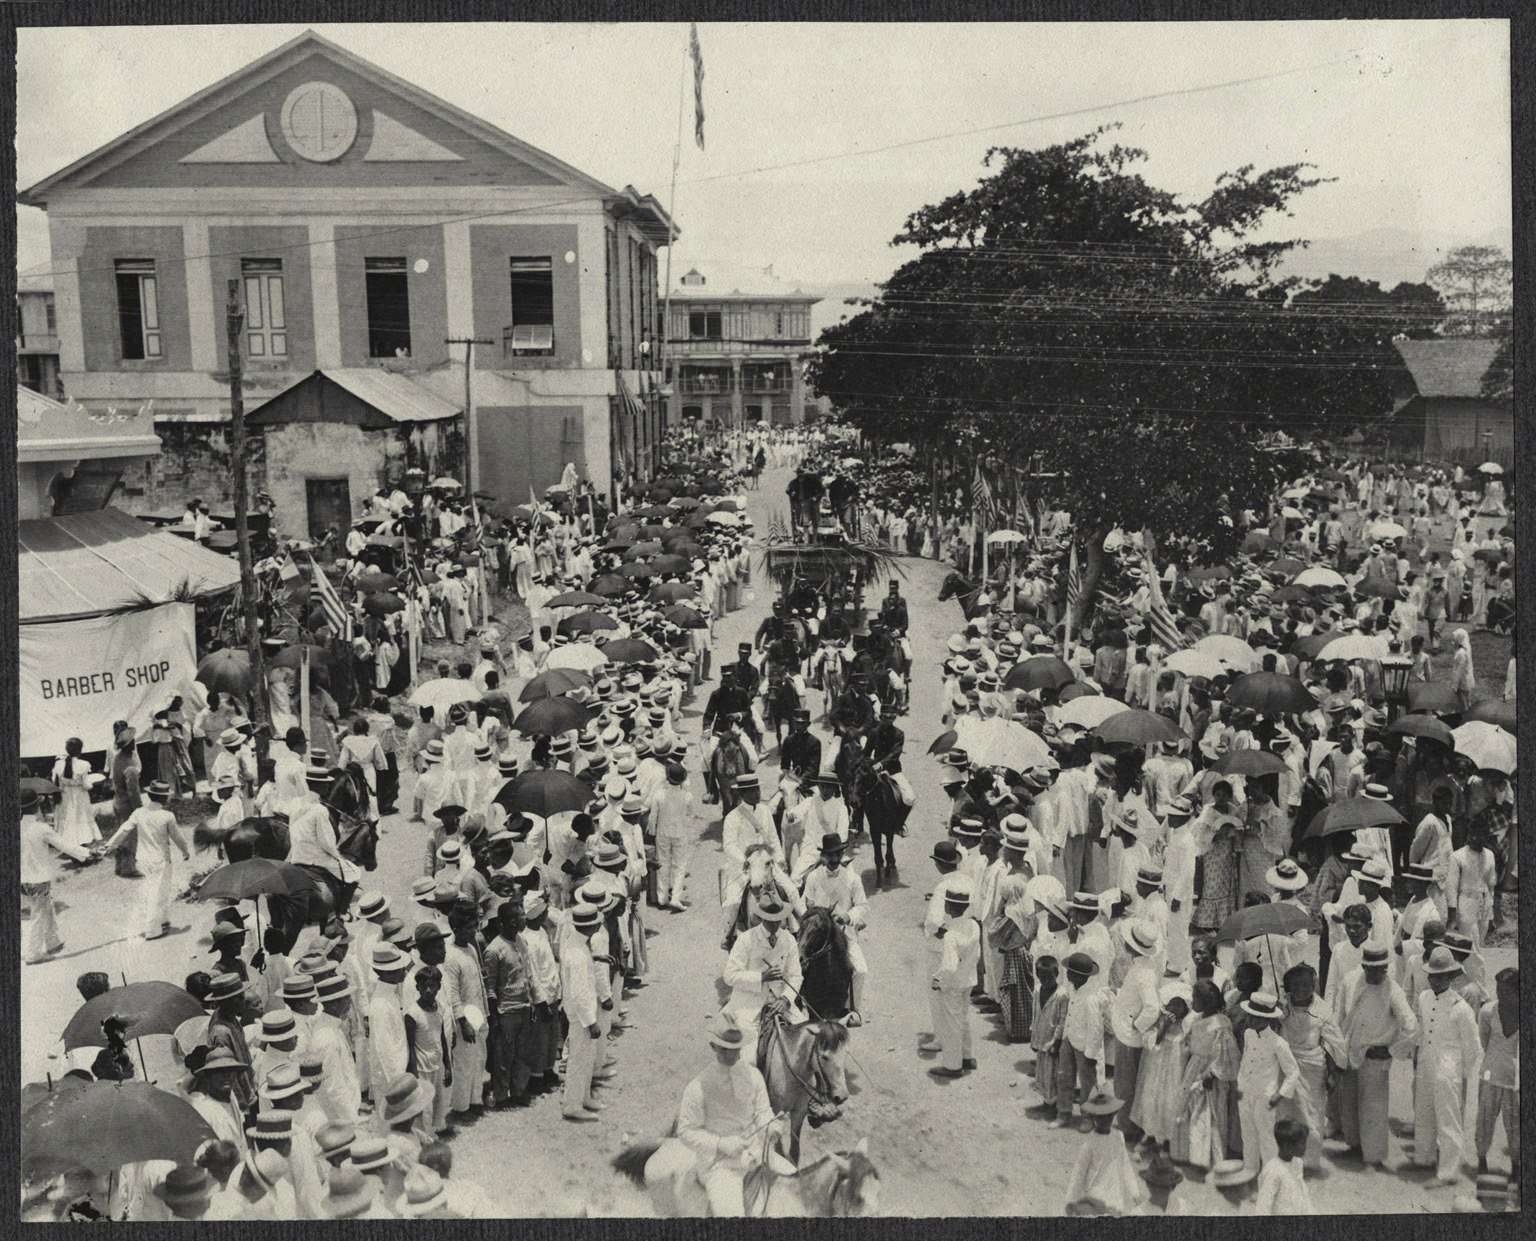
(181, 592)
(818, 563)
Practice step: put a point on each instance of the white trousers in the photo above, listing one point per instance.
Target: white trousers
(952, 1024)
(580, 1063)
(1438, 1130)
(155, 899)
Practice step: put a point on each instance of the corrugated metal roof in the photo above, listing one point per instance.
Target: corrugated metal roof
(90, 563)
(392, 395)
(1448, 367)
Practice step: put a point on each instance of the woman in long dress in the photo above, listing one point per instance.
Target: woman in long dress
(1209, 1073)
(74, 820)
(1463, 678)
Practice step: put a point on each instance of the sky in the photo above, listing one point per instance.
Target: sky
(1411, 117)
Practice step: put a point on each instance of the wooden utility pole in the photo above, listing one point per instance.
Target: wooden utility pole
(471, 472)
(235, 324)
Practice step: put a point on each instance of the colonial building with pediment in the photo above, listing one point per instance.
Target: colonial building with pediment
(366, 224)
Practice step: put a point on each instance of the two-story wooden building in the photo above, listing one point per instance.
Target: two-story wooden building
(737, 357)
(368, 224)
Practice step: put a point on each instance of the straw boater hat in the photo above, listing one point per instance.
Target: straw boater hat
(272, 1126)
(1374, 871)
(368, 1153)
(1141, 936)
(387, 959)
(725, 1032)
(220, 1059)
(1086, 902)
(1418, 872)
(1150, 875)
(959, 891)
(968, 829)
(1102, 1103)
(1286, 876)
(184, 1186)
(278, 1025)
(1263, 1005)
(1231, 1173)
(332, 987)
(1179, 806)
(1372, 952)
(373, 906)
(226, 987)
(1377, 792)
(284, 1079)
(771, 909)
(434, 751)
(335, 1138)
(586, 917)
(422, 888)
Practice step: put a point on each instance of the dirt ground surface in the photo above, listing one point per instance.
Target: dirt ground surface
(943, 1148)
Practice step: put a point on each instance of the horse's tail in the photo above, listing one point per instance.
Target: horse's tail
(207, 835)
(631, 1160)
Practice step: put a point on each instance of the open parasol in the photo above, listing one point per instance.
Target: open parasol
(1088, 712)
(1251, 763)
(144, 1008)
(554, 682)
(1487, 745)
(1352, 815)
(228, 671)
(1230, 650)
(1135, 727)
(1039, 672)
(100, 1126)
(1423, 726)
(551, 716)
(1270, 693)
(544, 793)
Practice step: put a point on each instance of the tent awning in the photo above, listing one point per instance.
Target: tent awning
(88, 564)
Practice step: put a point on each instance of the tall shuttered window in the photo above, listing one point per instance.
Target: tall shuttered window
(138, 309)
(266, 321)
(533, 305)
(389, 308)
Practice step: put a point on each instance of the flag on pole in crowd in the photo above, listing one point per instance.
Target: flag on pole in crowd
(335, 610)
(697, 55)
(288, 572)
(412, 567)
(1164, 631)
(1074, 589)
(985, 504)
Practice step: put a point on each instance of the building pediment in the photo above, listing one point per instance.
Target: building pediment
(312, 115)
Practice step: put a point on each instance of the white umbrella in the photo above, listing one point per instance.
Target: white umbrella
(1388, 530)
(440, 693)
(1230, 650)
(1002, 743)
(1319, 576)
(1088, 712)
(1290, 512)
(582, 656)
(1487, 745)
(1005, 536)
(1193, 663)
(1354, 646)
(723, 519)
(1294, 493)
(1490, 467)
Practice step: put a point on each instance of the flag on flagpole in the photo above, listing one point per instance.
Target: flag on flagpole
(1164, 631)
(1074, 589)
(335, 610)
(986, 506)
(697, 55)
(288, 572)
(412, 568)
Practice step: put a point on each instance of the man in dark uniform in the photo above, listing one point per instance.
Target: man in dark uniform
(801, 753)
(893, 612)
(732, 700)
(748, 678)
(884, 741)
(774, 627)
(802, 600)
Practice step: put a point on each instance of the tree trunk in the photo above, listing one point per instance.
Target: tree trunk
(933, 494)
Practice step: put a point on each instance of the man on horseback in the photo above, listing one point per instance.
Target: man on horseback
(893, 610)
(313, 845)
(801, 751)
(835, 887)
(764, 965)
(724, 1113)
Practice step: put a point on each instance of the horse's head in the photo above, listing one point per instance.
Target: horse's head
(831, 1049)
(855, 1186)
(759, 868)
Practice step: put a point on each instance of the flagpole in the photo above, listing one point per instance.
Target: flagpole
(663, 358)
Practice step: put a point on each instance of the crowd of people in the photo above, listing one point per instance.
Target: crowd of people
(1190, 852)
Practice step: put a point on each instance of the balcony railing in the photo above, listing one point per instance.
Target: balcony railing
(37, 342)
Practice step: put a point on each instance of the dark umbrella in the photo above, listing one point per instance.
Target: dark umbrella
(293, 657)
(586, 622)
(1377, 588)
(544, 793)
(1351, 815)
(1270, 693)
(636, 569)
(685, 502)
(245, 881)
(1275, 918)
(1308, 647)
(1291, 594)
(658, 512)
(625, 532)
(577, 599)
(629, 651)
(685, 617)
(1209, 573)
(1493, 711)
(1433, 696)
(646, 547)
(1288, 565)
(1076, 690)
(1426, 727)
(609, 586)
(102, 1125)
(550, 716)
(944, 742)
(371, 581)
(669, 563)
(696, 520)
(1138, 728)
(143, 1008)
(1040, 672)
(228, 671)
(36, 784)
(553, 683)
(673, 592)
(1251, 763)
(382, 604)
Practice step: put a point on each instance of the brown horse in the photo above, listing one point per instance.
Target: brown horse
(803, 1066)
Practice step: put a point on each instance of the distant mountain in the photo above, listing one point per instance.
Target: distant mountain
(1386, 255)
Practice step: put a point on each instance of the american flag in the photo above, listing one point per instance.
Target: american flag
(1164, 631)
(412, 567)
(1074, 589)
(985, 505)
(335, 610)
(698, 83)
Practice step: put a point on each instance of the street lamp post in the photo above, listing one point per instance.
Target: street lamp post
(1395, 669)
